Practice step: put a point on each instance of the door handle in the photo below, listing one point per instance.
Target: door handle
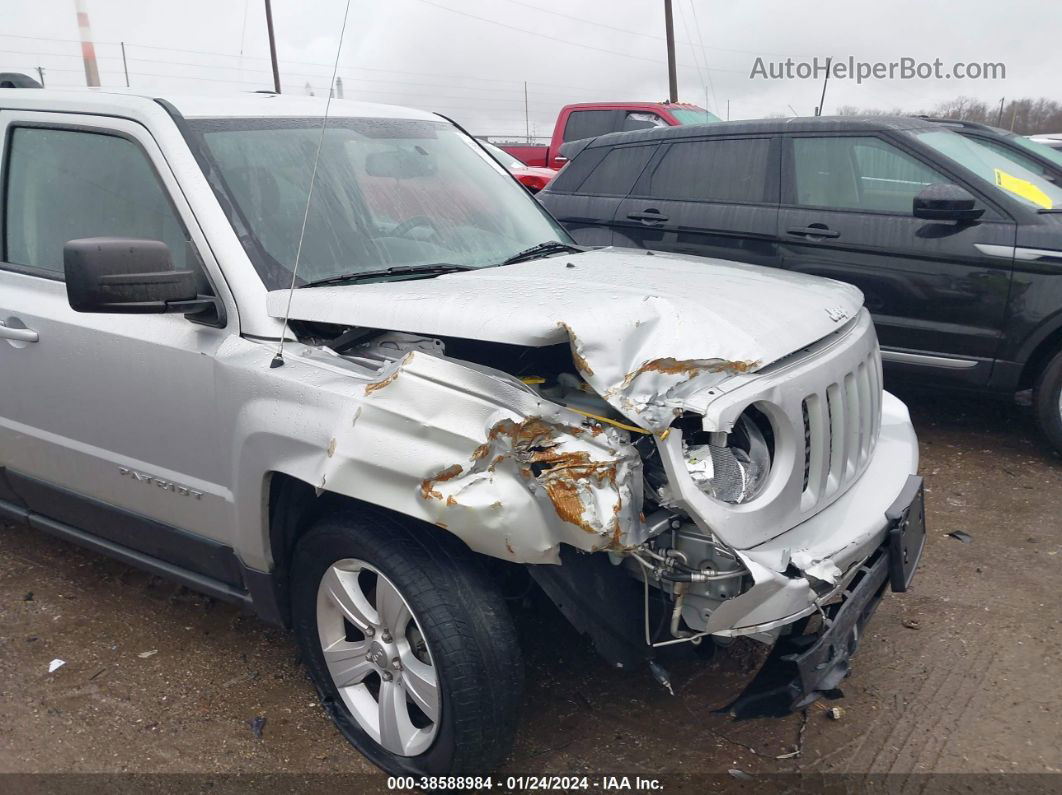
(649, 216)
(17, 334)
(813, 231)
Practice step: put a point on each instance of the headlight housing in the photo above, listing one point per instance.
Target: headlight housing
(732, 467)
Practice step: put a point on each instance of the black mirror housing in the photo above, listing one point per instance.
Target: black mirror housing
(127, 276)
(946, 202)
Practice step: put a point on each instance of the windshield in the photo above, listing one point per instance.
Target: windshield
(388, 192)
(693, 116)
(1044, 151)
(504, 157)
(1002, 172)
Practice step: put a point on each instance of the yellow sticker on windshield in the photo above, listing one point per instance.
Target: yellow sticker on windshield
(1023, 188)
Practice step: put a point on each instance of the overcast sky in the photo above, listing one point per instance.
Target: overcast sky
(469, 59)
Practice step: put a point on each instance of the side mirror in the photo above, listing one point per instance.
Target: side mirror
(946, 202)
(128, 276)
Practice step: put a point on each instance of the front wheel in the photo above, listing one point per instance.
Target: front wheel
(1047, 402)
(409, 643)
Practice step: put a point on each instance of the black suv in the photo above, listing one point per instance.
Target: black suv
(956, 243)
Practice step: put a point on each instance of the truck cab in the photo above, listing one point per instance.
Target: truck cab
(591, 119)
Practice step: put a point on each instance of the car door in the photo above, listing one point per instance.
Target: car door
(938, 301)
(713, 197)
(107, 421)
(584, 197)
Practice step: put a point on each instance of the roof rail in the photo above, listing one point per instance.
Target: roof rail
(17, 80)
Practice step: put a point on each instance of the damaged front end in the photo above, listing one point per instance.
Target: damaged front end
(728, 495)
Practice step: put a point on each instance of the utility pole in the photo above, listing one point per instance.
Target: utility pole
(40, 71)
(728, 110)
(272, 45)
(822, 101)
(339, 88)
(125, 66)
(672, 75)
(999, 119)
(88, 50)
(527, 117)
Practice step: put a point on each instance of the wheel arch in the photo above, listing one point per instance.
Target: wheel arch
(292, 507)
(1040, 351)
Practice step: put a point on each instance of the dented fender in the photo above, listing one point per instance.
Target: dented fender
(466, 448)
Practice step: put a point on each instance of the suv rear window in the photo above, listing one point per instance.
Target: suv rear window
(728, 170)
(616, 174)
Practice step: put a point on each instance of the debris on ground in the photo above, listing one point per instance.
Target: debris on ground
(257, 725)
(959, 535)
(55, 665)
(28, 597)
(145, 654)
(740, 775)
(912, 623)
(835, 713)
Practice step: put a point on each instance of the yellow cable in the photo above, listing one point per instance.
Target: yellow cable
(599, 418)
(534, 379)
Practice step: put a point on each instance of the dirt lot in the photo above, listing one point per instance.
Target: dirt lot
(962, 674)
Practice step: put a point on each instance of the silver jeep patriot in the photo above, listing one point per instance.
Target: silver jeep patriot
(342, 369)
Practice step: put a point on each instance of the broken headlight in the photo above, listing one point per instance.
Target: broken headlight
(732, 467)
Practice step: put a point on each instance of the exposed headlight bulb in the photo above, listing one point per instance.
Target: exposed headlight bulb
(731, 467)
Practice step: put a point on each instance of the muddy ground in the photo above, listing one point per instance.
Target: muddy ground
(961, 674)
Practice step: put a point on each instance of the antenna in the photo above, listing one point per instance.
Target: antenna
(278, 358)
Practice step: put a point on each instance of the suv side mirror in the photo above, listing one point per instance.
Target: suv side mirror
(946, 202)
(128, 276)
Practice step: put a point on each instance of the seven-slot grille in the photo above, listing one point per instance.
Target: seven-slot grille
(841, 424)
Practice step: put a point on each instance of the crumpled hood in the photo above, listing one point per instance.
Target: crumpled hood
(646, 331)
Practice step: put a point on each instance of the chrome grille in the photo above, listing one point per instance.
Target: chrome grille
(841, 424)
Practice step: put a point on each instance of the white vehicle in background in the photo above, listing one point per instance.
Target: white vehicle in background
(677, 450)
(1052, 140)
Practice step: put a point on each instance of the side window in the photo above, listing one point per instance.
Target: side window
(589, 123)
(617, 173)
(731, 170)
(64, 184)
(858, 173)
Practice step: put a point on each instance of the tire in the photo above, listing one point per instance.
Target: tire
(1047, 402)
(451, 626)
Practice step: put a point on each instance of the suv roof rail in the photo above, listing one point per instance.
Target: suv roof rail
(17, 80)
(973, 125)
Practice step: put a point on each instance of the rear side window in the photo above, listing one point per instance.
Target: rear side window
(858, 173)
(617, 173)
(732, 170)
(64, 184)
(589, 124)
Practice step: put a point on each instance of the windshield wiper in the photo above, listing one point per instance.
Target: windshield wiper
(1049, 210)
(415, 271)
(542, 250)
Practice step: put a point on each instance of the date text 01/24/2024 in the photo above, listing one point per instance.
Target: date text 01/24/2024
(524, 783)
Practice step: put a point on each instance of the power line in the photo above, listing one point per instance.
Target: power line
(530, 32)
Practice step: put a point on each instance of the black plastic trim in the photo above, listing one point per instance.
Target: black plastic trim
(138, 534)
(191, 579)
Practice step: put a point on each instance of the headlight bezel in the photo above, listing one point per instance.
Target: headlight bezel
(732, 468)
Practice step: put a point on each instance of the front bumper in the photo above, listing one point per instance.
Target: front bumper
(803, 667)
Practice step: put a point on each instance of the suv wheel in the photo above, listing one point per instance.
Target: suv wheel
(409, 644)
(1047, 400)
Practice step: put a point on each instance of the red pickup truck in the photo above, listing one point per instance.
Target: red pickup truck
(590, 119)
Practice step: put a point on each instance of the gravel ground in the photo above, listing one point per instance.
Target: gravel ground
(960, 674)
